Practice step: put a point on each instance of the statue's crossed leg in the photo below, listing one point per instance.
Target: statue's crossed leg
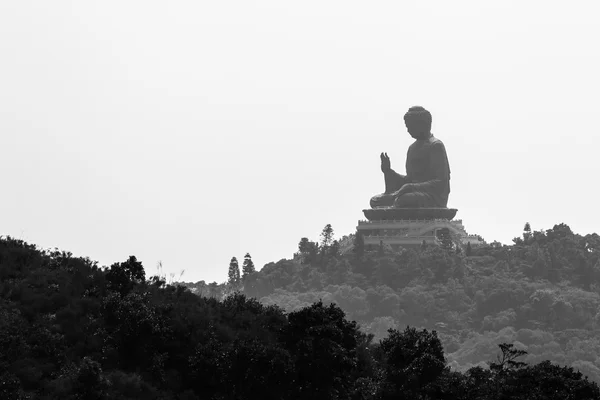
(408, 200)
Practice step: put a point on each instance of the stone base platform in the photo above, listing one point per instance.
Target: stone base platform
(413, 232)
(391, 213)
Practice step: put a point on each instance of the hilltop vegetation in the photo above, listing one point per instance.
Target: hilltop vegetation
(542, 293)
(72, 330)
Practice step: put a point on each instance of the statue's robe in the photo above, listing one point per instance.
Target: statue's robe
(428, 170)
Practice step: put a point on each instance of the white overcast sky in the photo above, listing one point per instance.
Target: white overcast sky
(194, 131)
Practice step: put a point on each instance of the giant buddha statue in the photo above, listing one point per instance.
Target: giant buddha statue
(423, 192)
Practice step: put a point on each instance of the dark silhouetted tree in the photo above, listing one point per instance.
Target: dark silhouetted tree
(323, 345)
(413, 360)
(122, 277)
(507, 358)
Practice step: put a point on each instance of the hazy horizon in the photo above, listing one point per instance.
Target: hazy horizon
(192, 132)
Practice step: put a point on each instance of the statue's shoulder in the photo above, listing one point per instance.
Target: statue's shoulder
(433, 141)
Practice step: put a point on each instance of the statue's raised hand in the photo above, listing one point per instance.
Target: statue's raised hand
(385, 163)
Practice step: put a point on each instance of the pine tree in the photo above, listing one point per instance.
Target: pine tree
(469, 250)
(326, 244)
(527, 233)
(234, 273)
(247, 266)
(326, 236)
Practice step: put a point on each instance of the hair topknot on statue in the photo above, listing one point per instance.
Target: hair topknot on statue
(418, 117)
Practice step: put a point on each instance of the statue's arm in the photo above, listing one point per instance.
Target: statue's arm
(440, 170)
(393, 181)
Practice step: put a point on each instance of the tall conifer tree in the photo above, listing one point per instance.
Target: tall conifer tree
(248, 266)
(327, 236)
(234, 272)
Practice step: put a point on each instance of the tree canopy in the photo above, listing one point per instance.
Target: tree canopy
(516, 322)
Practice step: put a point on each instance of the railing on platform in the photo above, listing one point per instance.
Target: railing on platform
(388, 221)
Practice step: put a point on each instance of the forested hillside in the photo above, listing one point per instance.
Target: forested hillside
(72, 330)
(541, 293)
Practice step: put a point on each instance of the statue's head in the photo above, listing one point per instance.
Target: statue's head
(418, 122)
